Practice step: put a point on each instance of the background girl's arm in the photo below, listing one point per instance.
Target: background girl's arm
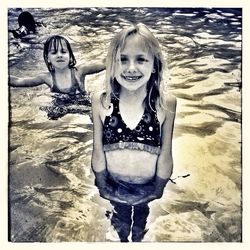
(165, 159)
(90, 69)
(27, 81)
(84, 70)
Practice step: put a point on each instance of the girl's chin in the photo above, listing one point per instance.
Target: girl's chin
(132, 87)
(61, 67)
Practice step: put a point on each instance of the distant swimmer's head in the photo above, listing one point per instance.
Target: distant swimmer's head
(27, 25)
(58, 53)
(26, 19)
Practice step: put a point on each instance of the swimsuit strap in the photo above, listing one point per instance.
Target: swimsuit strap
(72, 89)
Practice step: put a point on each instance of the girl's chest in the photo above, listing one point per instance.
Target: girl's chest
(63, 82)
(131, 115)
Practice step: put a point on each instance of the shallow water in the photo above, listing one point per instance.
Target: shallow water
(51, 191)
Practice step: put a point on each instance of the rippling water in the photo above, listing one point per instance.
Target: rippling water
(51, 191)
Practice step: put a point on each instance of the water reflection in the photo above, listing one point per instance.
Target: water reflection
(63, 104)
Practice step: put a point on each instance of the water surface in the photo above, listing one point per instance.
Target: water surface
(52, 196)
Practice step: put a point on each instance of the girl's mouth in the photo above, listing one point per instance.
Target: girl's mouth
(131, 78)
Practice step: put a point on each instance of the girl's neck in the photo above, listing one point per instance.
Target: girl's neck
(133, 96)
(62, 71)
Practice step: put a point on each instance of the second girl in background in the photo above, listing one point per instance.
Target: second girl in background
(63, 76)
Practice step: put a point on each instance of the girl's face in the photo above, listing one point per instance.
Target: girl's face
(134, 64)
(59, 57)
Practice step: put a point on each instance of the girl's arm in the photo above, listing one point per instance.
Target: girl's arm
(84, 70)
(91, 69)
(98, 160)
(165, 159)
(28, 81)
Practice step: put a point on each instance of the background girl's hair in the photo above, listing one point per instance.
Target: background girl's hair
(150, 44)
(54, 42)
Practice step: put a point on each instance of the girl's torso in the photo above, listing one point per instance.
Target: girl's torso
(131, 154)
(131, 166)
(64, 83)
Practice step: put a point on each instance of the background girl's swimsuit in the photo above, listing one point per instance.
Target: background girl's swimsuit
(68, 101)
(71, 90)
(145, 136)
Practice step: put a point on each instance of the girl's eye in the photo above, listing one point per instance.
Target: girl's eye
(141, 60)
(124, 59)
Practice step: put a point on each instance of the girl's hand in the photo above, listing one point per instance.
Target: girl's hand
(145, 199)
(130, 199)
(105, 194)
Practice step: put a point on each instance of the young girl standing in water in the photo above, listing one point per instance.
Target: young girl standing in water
(63, 77)
(133, 128)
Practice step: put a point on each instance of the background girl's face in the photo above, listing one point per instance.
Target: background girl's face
(59, 56)
(134, 64)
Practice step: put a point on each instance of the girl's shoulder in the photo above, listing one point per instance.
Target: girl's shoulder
(100, 105)
(169, 102)
(97, 96)
(46, 77)
(167, 108)
(97, 99)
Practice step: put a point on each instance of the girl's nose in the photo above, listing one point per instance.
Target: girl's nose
(131, 67)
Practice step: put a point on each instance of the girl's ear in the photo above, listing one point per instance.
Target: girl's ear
(153, 71)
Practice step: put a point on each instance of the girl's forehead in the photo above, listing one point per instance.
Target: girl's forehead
(58, 43)
(135, 43)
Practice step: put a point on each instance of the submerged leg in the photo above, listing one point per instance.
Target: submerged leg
(141, 213)
(121, 220)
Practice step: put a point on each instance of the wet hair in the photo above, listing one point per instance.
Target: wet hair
(54, 42)
(150, 43)
(27, 20)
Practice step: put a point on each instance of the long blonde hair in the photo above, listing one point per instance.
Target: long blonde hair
(151, 44)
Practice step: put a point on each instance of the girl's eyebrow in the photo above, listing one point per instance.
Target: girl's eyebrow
(139, 55)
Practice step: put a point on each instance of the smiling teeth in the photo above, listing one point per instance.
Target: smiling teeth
(131, 78)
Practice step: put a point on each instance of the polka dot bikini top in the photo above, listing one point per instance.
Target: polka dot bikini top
(146, 136)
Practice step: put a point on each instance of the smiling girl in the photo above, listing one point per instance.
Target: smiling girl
(63, 77)
(133, 128)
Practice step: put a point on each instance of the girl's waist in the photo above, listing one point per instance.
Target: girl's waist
(130, 180)
(130, 183)
(131, 165)
(133, 146)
